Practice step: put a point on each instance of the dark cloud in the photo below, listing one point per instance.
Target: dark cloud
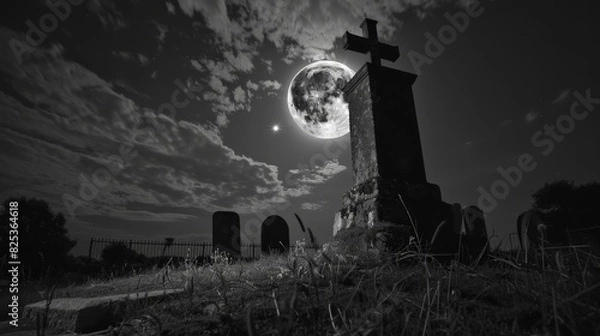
(300, 30)
(108, 14)
(80, 125)
(303, 29)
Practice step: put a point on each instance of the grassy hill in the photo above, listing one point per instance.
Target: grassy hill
(371, 293)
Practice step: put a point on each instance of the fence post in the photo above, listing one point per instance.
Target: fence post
(90, 251)
(130, 242)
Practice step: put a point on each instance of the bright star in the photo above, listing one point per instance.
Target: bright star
(275, 128)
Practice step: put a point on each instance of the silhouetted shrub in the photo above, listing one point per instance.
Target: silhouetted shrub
(119, 254)
(565, 206)
(42, 237)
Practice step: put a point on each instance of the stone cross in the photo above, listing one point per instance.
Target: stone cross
(370, 44)
(391, 196)
(387, 158)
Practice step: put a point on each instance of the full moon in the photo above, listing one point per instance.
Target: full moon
(316, 101)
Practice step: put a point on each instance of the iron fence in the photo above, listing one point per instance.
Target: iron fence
(575, 237)
(181, 249)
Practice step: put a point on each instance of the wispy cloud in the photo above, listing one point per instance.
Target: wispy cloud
(317, 175)
(220, 69)
(217, 85)
(161, 36)
(269, 65)
(239, 95)
(147, 216)
(108, 14)
(311, 206)
(562, 96)
(170, 7)
(226, 101)
(531, 115)
(132, 56)
(271, 84)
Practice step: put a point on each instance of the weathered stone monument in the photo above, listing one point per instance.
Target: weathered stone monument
(391, 195)
(386, 149)
(226, 233)
(274, 235)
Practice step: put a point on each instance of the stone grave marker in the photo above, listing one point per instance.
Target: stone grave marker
(226, 233)
(274, 235)
(476, 240)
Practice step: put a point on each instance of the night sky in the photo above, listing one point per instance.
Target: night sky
(139, 119)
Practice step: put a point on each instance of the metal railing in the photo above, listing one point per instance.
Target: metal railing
(181, 249)
(573, 235)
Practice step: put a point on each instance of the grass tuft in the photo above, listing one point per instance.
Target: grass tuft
(339, 291)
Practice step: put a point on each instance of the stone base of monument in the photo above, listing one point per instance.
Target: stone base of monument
(376, 216)
(384, 206)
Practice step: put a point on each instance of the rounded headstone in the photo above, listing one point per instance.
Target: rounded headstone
(275, 235)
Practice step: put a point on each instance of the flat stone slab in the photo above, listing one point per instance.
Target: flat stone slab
(33, 332)
(22, 333)
(89, 314)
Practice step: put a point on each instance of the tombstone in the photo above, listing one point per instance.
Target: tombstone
(446, 239)
(461, 235)
(275, 235)
(527, 228)
(534, 229)
(477, 245)
(527, 223)
(387, 158)
(226, 233)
